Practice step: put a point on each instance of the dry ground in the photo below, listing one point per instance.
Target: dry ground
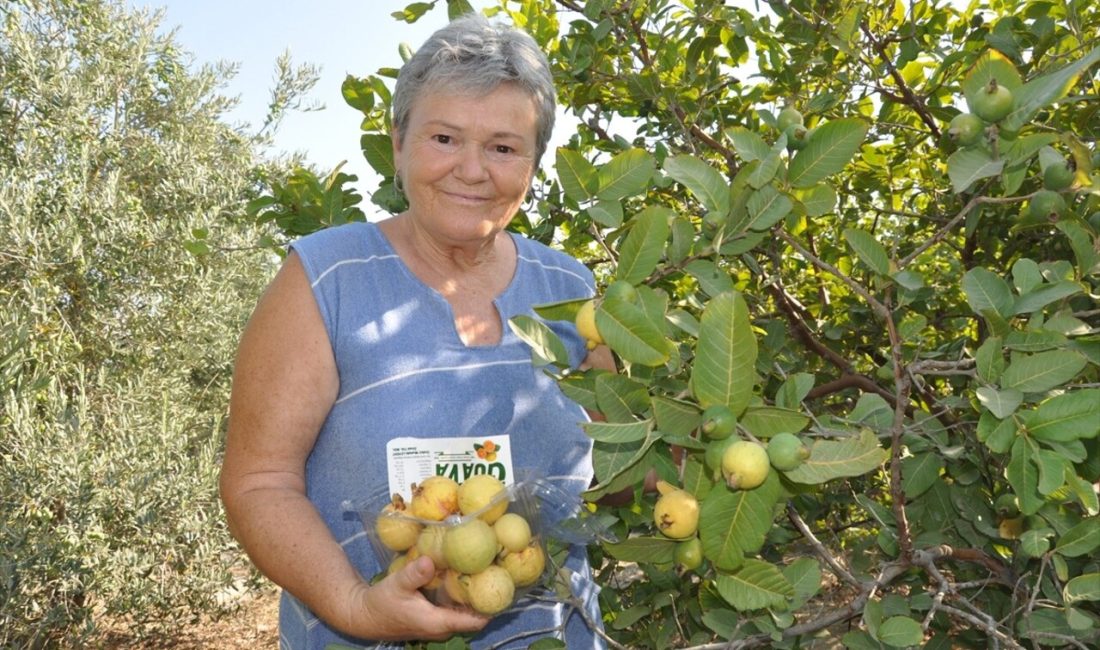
(255, 626)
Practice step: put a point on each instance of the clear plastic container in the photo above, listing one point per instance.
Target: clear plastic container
(466, 584)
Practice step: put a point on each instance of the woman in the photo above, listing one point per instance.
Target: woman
(398, 329)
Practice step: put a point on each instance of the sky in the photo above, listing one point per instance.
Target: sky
(340, 36)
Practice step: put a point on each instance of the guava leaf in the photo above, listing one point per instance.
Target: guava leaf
(644, 244)
(1023, 474)
(985, 290)
(618, 432)
(818, 200)
(712, 278)
(1069, 416)
(755, 585)
(701, 179)
(1083, 490)
(767, 207)
(1082, 539)
(919, 473)
(674, 416)
(900, 632)
(579, 178)
(657, 550)
(627, 174)
(804, 575)
(1035, 300)
(989, 360)
(619, 397)
(378, 150)
(1040, 372)
(546, 347)
(628, 330)
(735, 522)
(828, 150)
(869, 250)
(764, 173)
(766, 421)
(1046, 89)
(1083, 587)
(748, 144)
(725, 355)
(830, 459)
(1001, 403)
(966, 166)
(619, 465)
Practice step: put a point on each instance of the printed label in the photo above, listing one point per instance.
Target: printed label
(411, 460)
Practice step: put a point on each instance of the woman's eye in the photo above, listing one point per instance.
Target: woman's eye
(442, 139)
(503, 149)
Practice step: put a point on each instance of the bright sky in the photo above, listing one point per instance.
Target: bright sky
(340, 36)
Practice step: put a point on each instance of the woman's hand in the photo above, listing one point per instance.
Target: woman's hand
(395, 610)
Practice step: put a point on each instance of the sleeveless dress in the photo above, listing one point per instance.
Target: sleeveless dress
(404, 371)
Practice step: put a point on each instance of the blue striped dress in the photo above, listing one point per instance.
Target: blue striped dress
(404, 372)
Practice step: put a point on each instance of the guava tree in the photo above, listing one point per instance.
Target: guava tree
(849, 257)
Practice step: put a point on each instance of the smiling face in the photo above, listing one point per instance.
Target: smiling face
(466, 162)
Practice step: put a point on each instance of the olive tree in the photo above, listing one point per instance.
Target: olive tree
(849, 257)
(118, 319)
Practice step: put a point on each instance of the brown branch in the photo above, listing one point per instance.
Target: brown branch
(909, 98)
(836, 567)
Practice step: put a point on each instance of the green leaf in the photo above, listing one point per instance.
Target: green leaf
(830, 459)
(1023, 474)
(674, 416)
(794, 390)
(1083, 587)
(644, 244)
(920, 472)
(767, 421)
(829, 149)
(987, 290)
(966, 166)
(628, 330)
(656, 550)
(804, 575)
(767, 206)
(1001, 403)
(989, 360)
(713, 279)
(748, 144)
(704, 181)
(818, 200)
(620, 397)
(755, 585)
(1035, 300)
(1038, 373)
(1070, 416)
(457, 9)
(606, 213)
(900, 632)
(735, 522)
(378, 150)
(357, 93)
(618, 432)
(725, 356)
(763, 173)
(627, 174)
(546, 347)
(1052, 471)
(1046, 89)
(578, 177)
(869, 250)
(1082, 539)
(1084, 492)
(1040, 622)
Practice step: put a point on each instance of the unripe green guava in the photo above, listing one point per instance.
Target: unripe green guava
(786, 451)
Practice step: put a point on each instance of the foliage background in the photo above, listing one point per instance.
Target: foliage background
(881, 292)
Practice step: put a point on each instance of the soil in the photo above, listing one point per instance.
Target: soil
(254, 626)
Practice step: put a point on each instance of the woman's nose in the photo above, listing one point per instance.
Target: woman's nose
(471, 166)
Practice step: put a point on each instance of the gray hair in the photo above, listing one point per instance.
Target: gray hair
(471, 55)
